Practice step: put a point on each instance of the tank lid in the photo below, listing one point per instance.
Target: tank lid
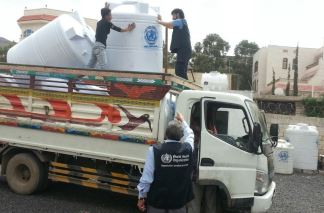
(135, 7)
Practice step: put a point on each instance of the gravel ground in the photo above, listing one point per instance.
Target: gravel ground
(295, 193)
(302, 193)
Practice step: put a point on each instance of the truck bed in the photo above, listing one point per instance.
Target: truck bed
(91, 113)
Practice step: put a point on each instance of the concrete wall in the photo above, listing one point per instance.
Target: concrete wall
(284, 121)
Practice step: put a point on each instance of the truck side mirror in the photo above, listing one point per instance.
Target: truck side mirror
(256, 137)
(274, 132)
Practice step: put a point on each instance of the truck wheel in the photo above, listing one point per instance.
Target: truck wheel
(25, 173)
(212, 202)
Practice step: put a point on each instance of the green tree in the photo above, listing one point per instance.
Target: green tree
(273, 82)
(242, 62)
(4, 51)
(295, 86)
(288, 81)
(209, 55)
(246, 49)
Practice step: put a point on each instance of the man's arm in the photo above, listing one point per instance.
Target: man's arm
(146, 180)
(188, 134)
(147, 176)
(129, 28)
(163, 23)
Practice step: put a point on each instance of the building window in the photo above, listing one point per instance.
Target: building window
(285, 51)
(285, 63)
(27, 33)
(256, 66)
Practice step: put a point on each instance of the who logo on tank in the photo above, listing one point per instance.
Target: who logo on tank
(151, 35)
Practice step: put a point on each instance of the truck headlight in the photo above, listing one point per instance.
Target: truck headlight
(261, 182)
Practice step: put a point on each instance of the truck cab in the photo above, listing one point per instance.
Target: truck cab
(232, 146)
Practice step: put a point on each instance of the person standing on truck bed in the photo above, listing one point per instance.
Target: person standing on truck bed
(166, 183)
(103, 29)
(180, 43)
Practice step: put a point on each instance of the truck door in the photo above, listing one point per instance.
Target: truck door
(224, 156)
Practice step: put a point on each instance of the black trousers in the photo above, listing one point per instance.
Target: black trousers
(181, 67)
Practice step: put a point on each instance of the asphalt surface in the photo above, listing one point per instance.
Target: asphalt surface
(295, 193)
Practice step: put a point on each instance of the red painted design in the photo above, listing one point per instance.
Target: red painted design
(61, 112)
(132, 91)
(108, 111)
(15, 102)
(134, 122)
(61, 109)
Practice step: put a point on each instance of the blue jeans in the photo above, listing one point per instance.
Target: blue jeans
(98, 56)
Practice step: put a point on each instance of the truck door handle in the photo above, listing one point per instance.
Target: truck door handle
(207, 162)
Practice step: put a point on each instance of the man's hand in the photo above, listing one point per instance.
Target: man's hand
(131, 27)
(179, 117)
(141, 204)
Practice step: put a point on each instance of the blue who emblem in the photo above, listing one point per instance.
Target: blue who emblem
(283, 156)
(151, 36)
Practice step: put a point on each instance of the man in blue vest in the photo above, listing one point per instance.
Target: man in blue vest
(166, 183)
(180, 43)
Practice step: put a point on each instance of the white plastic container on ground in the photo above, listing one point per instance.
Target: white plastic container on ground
(283, 158)
(64, 42)
(305, 140)
(140, 50)
(214, 81)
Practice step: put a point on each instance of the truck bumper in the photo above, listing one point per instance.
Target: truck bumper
(264, 202)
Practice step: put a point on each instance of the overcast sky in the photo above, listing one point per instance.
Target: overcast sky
(276, 22)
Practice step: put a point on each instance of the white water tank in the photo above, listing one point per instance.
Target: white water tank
(283, 158)
(140, 50)
(64, 42)
(305, 140)
(214, 81)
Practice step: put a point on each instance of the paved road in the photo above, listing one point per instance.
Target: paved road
(295, 193)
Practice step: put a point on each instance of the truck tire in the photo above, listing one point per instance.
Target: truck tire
(212, 202)
(25, 174)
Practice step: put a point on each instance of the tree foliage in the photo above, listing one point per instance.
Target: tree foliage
(209, 55)
(4, 50)
(246, 49)
(243, 62)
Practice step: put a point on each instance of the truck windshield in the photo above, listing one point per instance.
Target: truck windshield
(259, 118)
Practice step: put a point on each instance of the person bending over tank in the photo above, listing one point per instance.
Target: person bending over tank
(180, 43)
(166, 183)
(103, 29)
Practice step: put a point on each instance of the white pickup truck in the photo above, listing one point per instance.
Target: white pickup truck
(98, 136)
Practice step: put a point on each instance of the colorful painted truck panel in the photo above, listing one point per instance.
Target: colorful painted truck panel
(115, 108)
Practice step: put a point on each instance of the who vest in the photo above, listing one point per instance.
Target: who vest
(180, 38)
(172, 184)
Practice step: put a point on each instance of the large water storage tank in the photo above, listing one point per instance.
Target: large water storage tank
(283, 158)
(214, 81)
(305, 140)
(140, 50)
(65, 42)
